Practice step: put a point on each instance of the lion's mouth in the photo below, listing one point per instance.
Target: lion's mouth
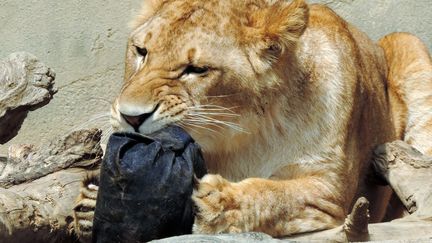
(130, 119)
(137, 120)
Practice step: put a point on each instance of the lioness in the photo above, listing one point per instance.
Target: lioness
(287, 101)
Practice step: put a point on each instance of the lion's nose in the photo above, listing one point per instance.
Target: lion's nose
(136, 121)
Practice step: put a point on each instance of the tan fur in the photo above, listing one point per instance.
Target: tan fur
(84, 208)
(293, 103)
(410, 81)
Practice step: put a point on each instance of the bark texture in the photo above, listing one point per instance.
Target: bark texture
(27, 162)
(25, 85)
(39, 185)
(409, 173)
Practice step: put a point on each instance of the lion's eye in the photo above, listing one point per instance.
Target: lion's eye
(141, 51)
(190, 69)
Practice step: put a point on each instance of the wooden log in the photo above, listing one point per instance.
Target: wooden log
(356, 224)
(409, 173)
(27, 162)
(414, 230)
(25, 85)
(40, 185)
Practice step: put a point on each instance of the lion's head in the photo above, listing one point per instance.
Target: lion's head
(208, 66)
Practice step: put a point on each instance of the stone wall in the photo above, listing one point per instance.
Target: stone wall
(84, 42)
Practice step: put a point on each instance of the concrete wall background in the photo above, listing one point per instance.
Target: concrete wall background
(84, 42)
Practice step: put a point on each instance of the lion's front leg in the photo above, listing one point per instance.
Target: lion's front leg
(84, 208)
(278, 208)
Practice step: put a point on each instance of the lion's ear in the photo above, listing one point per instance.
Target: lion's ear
(148, 9)
(280, 24)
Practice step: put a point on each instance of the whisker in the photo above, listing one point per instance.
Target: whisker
(206, 115)
(212, 110)
(215, 120)
(211, 121)
(182, 125)
(98, 118)
(203, 127)
(220, 96)
(106, 134)
(102, 99)
(204, 122)
(217, 113)
(211, 106)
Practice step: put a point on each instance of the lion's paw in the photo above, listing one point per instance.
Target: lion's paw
(84, 208)
(217, 207)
